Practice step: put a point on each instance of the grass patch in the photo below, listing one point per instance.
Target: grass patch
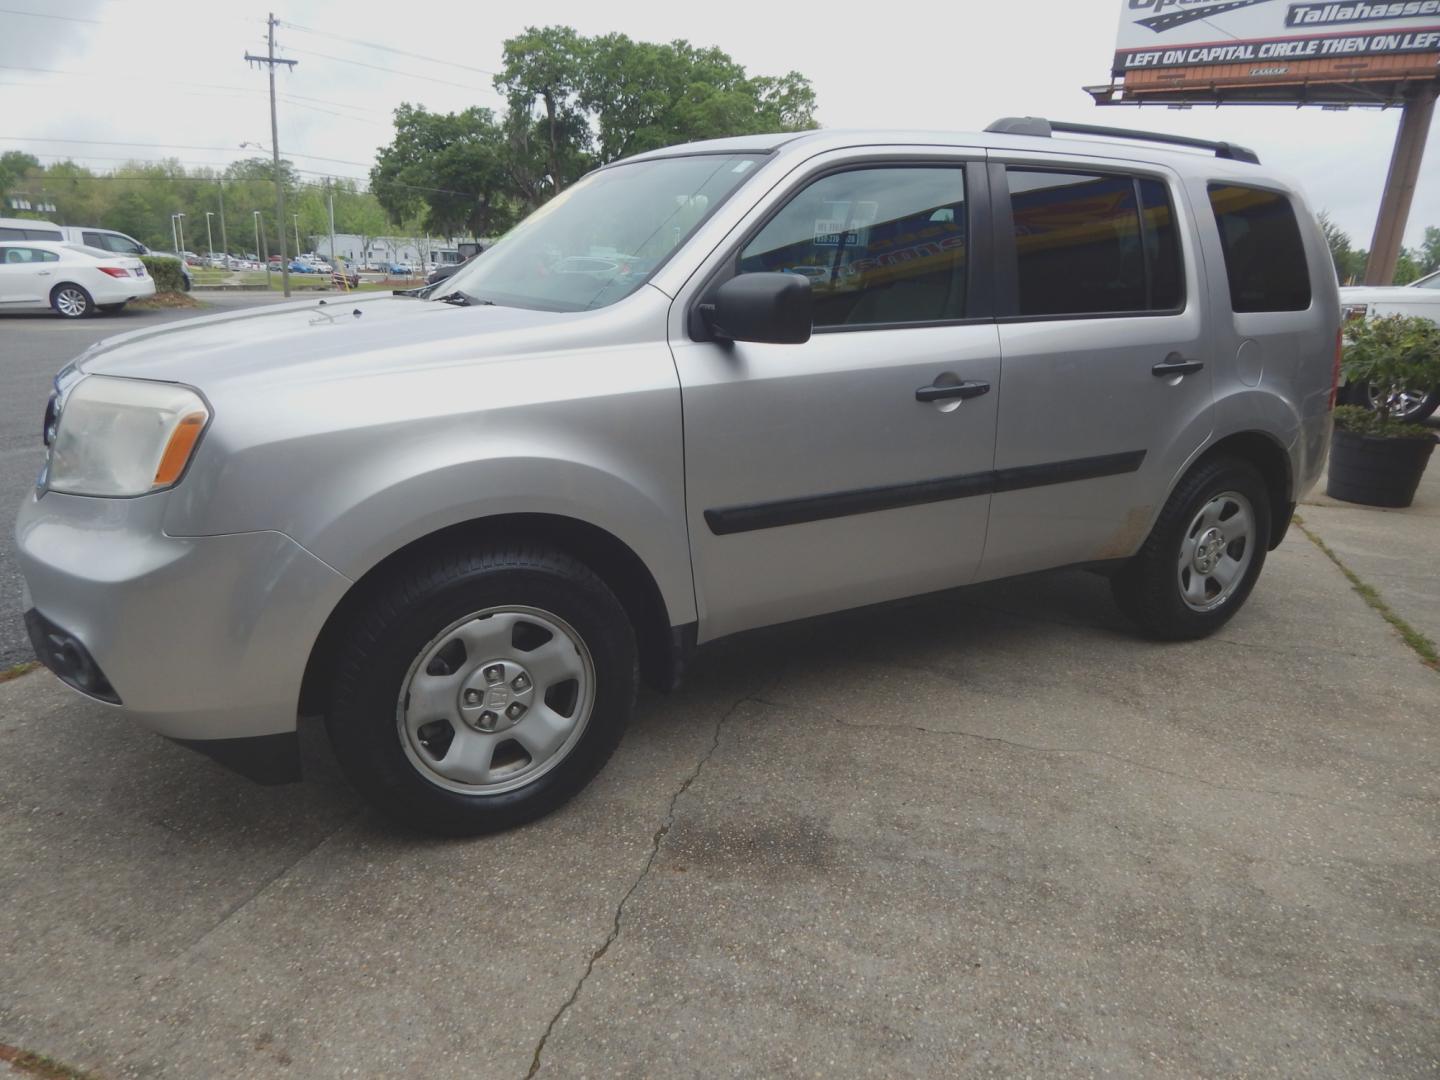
(1422, 645)
(165, 301)
(6, 674)
(41, 1066)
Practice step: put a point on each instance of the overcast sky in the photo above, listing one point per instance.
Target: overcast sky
(902, 63)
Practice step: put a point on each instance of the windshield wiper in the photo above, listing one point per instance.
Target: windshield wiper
(462, 299)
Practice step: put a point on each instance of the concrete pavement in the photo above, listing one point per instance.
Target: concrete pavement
(985, 833)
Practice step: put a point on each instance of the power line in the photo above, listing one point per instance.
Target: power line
(387, 48)
(175, 146)
(43, 15)
(395, 71)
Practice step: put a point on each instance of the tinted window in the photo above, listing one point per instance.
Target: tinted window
(92, 239)
(12, 234)
(28, 255)
(1264, 256)
(878, 245)
(1083, 249)
(42, 234)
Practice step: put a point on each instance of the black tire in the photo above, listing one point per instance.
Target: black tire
(71, 301)
(1148, 589)
(404, 613)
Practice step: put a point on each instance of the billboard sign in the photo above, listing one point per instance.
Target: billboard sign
(1265, 33)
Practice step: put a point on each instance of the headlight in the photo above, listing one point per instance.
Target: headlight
(120, 437)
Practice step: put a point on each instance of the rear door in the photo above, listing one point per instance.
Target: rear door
(850, 469)
(1105, 368)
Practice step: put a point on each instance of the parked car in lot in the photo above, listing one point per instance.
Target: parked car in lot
(71, 280)
(478, 519)
(1420, 298)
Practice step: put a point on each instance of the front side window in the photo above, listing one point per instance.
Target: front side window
(880, 246)
(601, 239)
(122, 245)
(1264, 255)
(1093, 244)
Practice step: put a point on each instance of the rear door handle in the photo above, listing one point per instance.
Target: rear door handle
(1176, 367)
(42, 273)
(964, 391)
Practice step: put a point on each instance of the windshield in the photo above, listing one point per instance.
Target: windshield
(598, 241)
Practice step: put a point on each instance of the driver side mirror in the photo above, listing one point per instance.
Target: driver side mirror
(773, 308)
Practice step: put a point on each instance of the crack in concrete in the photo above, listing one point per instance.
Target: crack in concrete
(1077, 750)
(655, 842)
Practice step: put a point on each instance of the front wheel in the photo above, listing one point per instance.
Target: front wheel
(71, 301)
(480, 690)
(1204, 555)
(1411, 406)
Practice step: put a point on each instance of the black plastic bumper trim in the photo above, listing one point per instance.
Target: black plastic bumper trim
(265, 759)
(770, 515)
(65, 655)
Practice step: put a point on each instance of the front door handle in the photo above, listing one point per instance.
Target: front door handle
(963, 391)
(1176, 366)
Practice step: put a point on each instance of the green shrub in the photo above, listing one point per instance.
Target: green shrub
(1391, 351)
(1363, 421)
(166, 273)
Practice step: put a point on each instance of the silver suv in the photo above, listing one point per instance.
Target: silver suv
(706, 389)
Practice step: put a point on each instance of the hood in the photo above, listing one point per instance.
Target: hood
(1383, 294)
(333, 336)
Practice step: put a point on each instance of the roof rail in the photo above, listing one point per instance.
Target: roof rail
(1039, 126)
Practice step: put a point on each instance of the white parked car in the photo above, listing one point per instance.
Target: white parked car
(1420, 297)
(73, 280)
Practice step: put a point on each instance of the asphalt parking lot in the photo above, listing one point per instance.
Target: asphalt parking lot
(989, 832)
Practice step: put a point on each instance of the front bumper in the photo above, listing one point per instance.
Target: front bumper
(201, 638)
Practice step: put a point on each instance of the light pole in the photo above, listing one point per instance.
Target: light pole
(175, 238)
(181, 238)
(260, 248)
(296, 218)
(209, 236)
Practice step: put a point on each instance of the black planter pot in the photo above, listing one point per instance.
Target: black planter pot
(1373, 471)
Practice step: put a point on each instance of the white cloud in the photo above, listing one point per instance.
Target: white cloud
(904, 63)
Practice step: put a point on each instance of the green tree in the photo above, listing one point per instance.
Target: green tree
(1429, 254)
(449, 169)
(15, 166)
(574, 102)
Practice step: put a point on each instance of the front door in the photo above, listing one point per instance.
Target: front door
(854, 468)
(1108, 378)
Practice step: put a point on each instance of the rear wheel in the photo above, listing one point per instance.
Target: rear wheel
(71, 301)
(481, 690)
(1204, 555)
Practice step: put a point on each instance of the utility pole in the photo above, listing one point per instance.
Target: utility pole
(271, 61)
(224, 244)
(330, 195)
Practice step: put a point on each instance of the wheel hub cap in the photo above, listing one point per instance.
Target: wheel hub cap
(496, 696)
(1208, 549)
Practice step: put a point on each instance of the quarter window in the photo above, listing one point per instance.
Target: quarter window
(1090, 244)
(880, 246)
(1264, 255)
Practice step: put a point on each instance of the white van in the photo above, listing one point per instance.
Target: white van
(24, 229)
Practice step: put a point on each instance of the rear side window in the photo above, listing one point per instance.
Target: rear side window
(1090, 244)
(881, 246)
(1264, 255)
(42, 234)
